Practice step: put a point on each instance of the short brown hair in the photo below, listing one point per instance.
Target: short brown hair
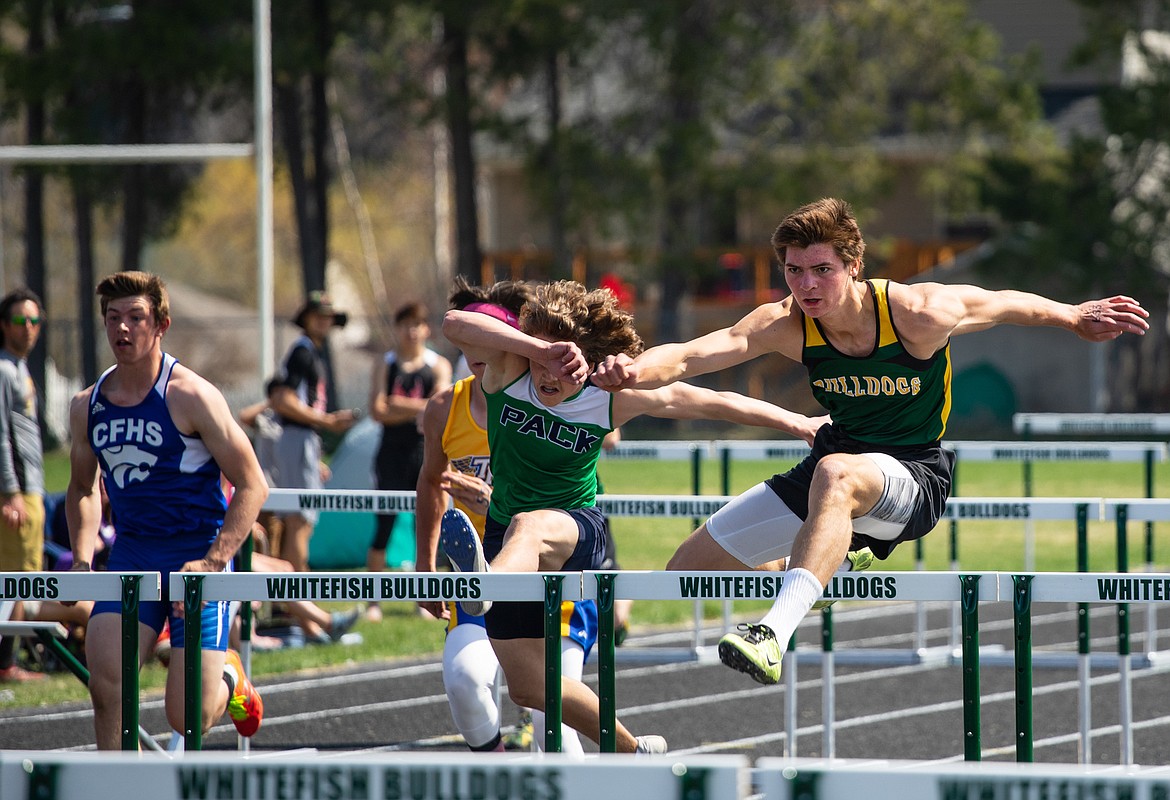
(511, 295)
(828, 221)
(410, 312)
(132, 284)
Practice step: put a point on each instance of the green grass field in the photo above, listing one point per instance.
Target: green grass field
(646, 543)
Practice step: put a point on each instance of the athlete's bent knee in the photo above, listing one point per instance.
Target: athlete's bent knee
(525, 698)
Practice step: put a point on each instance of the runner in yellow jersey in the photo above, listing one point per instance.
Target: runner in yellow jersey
(878, 359)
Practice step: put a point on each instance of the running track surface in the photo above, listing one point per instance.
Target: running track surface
(882, 711)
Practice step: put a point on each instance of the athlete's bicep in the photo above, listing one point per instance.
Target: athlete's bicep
(198, 409)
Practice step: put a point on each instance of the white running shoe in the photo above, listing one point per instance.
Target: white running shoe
(650, 745)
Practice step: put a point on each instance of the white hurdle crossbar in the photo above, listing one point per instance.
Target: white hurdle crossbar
(823, 779)
(973, 509)
(967, 589)
(197, 587)
(872, 586)
(105, 776)
(127, 588)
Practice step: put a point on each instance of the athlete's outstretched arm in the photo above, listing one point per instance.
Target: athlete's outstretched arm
(932, 312)
(684, 401)
(769, 328)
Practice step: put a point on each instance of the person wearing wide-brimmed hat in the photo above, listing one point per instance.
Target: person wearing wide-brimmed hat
(299, 399)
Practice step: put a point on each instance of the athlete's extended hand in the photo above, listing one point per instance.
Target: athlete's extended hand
(436, 609)
(1102, 320)
(808, 427)
(199, 565)
(615, 372)
(471, 490)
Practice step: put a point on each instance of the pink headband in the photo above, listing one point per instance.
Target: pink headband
(493, 310)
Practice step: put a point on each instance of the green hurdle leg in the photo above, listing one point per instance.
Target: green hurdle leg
(972, 731)
(193, 661)
(246, 550)
(42, 781)
(606, 670)
(1122, 566)
(1084, 645)
(828, 690)
(692, 783)
(1149, 480)
(1125, 701)
(130, 665)
(552, 663)
(1022, 602)
(696, 479)
(1151, 610)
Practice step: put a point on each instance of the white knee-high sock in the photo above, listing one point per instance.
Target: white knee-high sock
(800, 590)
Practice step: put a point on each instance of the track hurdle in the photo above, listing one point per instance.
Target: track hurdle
(196, 587)
(670, 450)
(819, 779)
(128, 588)
(1029, 453)
(968, 508)
(1026, 452)
(1076, 510)
(1124, 425)
(1060, 424)
(354, 776)
(970, 590)
(1074, 587)
(843, 586)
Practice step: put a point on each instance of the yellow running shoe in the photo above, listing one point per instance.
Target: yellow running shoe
(756, 653)
(859, 561)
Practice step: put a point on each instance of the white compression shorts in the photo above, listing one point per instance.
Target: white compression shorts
(758, 527)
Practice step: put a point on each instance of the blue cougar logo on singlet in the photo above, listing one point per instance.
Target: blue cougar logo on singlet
(128, 463)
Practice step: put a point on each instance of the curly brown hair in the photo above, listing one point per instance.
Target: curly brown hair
(566, 311)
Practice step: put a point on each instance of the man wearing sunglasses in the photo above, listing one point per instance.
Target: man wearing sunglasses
(22, 474)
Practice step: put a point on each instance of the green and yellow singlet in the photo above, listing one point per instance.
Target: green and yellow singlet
(544, 457)
(887, 396)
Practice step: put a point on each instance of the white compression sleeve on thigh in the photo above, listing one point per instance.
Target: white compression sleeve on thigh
(572, 666)
(800, 590)
(470, 676)
(756, 527)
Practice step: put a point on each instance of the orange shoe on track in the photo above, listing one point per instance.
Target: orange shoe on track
(244, 706)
